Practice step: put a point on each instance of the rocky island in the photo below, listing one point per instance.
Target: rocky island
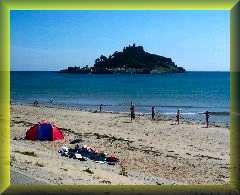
(132, 59)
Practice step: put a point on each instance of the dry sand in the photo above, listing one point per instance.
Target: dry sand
(150, 152)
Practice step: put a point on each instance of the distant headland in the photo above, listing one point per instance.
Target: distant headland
(132, 59)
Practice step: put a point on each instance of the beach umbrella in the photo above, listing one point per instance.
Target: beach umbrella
(44, 131)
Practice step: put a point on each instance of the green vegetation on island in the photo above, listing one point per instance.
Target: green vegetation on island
(133, 59)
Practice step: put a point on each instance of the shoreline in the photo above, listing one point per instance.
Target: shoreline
(150, 152)
(159, 116)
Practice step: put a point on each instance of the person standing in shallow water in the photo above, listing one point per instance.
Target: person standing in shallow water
(132, 111)
(153, 112)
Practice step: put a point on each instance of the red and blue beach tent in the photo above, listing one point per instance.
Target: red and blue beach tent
(44, 131)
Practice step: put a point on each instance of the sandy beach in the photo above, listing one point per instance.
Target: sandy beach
(150, 152)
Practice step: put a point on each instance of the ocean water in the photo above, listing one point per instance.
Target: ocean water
(192, 92)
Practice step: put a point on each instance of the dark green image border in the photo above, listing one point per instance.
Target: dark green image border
(7, 5)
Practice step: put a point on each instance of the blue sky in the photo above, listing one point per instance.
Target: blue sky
(52, 40)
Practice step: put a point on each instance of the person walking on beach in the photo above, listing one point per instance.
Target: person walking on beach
(132, 111)
(35, 103)
(207, 114)
(100, 107)
(153, 112)
(178, 116)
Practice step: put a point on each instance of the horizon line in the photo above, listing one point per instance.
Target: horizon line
(80, 73)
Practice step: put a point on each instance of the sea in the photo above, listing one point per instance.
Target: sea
(191, 92)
